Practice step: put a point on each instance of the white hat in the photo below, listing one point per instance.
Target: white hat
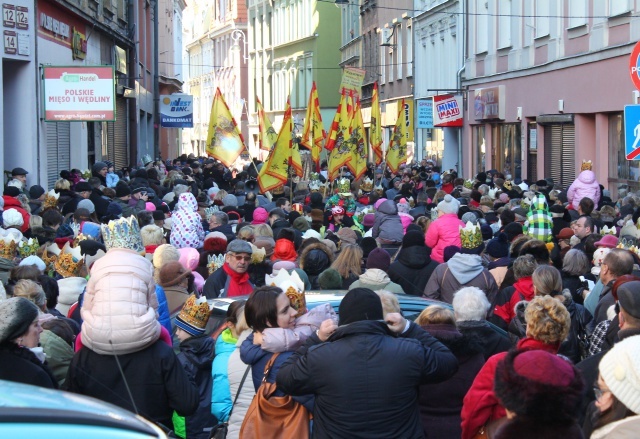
(70, 289)
(449, 205)
(34, 260)
(11, 217)
(311, 234)
(620, 370)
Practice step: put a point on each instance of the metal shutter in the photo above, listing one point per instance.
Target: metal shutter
(559, 153)
(58, 150)
(121, 150)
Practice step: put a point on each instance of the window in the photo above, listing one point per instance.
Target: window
(618, 7)
(390, 62)
(399, 52)
(577, 13)
(506, 149)
(383, 59)
(482, 26)
(479, 149)
(409, 52)
(504, 24)
(626, 171)
(543, 11)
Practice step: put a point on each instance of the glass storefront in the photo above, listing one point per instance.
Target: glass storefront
(621, 170)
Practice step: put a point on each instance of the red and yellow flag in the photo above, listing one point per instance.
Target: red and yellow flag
(358, 163)
(267, 135)
(340, 152)
(375, 129)
(397, 153)
(332, 137)
(224, 140)
(313, 133)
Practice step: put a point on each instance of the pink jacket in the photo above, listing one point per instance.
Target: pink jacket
(285, 340)
(406, 220)
(189, 258)
(586, 185)
(443, 232)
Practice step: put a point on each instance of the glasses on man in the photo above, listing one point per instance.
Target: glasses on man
(240, 258)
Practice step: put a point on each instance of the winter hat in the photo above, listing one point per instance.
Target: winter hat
(487, 232)
(301, 224)
(379, 258)
(98, 166)
(34, 260)
(114, 209)
(266, 244)
(449, 205)
(330, 245)
(164, 254)
(36, 191)
(629, 298)
(260, 216)
(413, 239)
(609, 241)
(360, 304)
(311, 234)
(122, 190)
(70, 289)
(449, 252)
(189, 257)
(194, 315)
(87, 204)
(11, 191)
(368, 244)
(368, 220)
(16, 315)
(403, 206)
(540, 385)
(347, 235)
(498, 247)
(12, 218)
(379, 202)
(565, 233)
(149, 206)
(284, 251)
(470, 217)
(620, 370)
(230, 200)
(513, 230)
(330, 279)
(172, 273)
(317, 215)
(282, 265)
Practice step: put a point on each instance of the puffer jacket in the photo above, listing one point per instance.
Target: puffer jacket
(442, 233)
(585, 186)
(221, 399)
(376, 279)
(281, 340)
(412, 269)
(59, 354)
(314, 259)
(187, 230)
(119, 309)
(387, 224)
(462, 270)
(236, 370)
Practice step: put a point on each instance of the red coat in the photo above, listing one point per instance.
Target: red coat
(480, 404)
(523, 291)
(13, 203)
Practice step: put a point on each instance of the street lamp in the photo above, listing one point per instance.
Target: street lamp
(236, 35)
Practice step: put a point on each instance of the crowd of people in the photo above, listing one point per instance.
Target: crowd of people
(532, 330)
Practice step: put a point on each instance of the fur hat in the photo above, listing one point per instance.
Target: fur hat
(620, 370)
(379, 258)
(449, 205)
(172, 273)
(330, 279)
(16, 315)
(360, 304)
(194, 316)
(164, 254)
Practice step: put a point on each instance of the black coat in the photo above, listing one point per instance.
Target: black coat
(493, 342)
(412, 269)
(100, 202)
(20, 365)
(226, 230)
(158, 382)
(196, 355)
(366, 380)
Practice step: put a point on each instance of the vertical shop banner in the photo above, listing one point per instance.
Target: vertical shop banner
(176, 111)
(447, 111)
(79, 94)
(425, 113)
(352, 79)
(408, 118)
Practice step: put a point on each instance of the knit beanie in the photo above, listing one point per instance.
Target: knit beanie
(34, 260)
(230, 200)
(260, 216)
(172, 273)
(449, 205)
(301, 224)
(360, 304)
(379, 258)
(330, 279)
(620, 370)
(469, 217)
(498, 247)
(347, 235)
(368, 220)
(368, 244)
(16, 315)
(122, 190)
(97, 166)
(36, 191)
(114, 209)
(12, 218)
(449, 252)
(164, 254)
(413, 239)
(513, 230)
(87, 204)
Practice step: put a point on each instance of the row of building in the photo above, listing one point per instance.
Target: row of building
(542, 85)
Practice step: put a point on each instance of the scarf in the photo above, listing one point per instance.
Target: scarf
(239, 284)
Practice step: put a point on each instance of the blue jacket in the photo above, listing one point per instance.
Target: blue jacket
(221, 400)
(163, 309)
(112, 179)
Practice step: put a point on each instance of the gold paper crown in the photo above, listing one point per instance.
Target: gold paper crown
(28, 247)
(314, 176)
(366, 185)
(292, 286)
(468, 184)
(344, 186)
(194, 315)
(8, 249)
(50, 199)
(69, 261)
(471, 236)
(214, 262)
(123, 233)
(586, 165)
(314, 185)
(258, 254)
(609, 231)
(508, 185)
(50, 254)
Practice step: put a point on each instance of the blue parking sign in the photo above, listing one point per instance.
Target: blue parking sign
(632, 132)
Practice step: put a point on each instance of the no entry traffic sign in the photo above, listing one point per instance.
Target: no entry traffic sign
(634, 65)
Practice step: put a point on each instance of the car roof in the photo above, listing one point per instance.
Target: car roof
(19, 403)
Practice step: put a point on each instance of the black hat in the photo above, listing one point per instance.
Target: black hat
(36, 191)
(122, 190)
(138, 189)
(629, 298)
(11, 191)
(542, 183)
(513, 230)
(83, 186)
(498, 247)
(413, 239)
(98, 166)
(18, 171)
(360, 304)
(487, 232)
(158, 215)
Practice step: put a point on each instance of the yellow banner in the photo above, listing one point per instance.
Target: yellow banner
(375, 128)
(397, 154)
(224, 140)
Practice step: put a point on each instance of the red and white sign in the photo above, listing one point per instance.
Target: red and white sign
(634, 65)
(447, 111)
(79, 94)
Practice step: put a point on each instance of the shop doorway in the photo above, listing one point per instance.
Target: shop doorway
(559, 153)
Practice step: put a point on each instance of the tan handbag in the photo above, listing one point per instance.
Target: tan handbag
(277, 417)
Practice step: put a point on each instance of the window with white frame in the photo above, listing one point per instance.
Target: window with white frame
(577, 13)
(308, 77)
(301, 84)
(542, 21)
(390, 62)
(383, 60)
(399, 52)
(618, 7)
(504, 24)
(482, 26)
(409, 52)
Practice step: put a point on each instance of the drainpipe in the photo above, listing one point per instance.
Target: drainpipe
(156, 85)
(465, 23)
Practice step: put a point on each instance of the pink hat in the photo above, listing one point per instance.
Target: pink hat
(368, 220)
(504, 198)
(608, 241)
(189, 257)
(149, 206)
(260, 216)
(379, 202)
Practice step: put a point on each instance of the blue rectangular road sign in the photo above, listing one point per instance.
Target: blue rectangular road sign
(632, 132)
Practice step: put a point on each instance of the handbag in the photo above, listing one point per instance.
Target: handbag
(274, 417)
(219, 431)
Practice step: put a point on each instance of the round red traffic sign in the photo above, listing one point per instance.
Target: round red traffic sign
(634, 65)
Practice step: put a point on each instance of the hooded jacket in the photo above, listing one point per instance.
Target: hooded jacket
(187, 230)
(376, 279)
(585, 186)
(14, 203)
(412, 269)
(59, 354)
(314, 259)
(236, 370)
(442, 233)
(462, 270)
(539, 224)
(387, 224)
(522, 290)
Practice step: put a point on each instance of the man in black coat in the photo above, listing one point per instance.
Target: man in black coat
(98, 199)
(413, 265)
(366, 377)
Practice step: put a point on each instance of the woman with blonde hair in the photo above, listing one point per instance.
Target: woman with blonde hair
(262, 230)
(348, 264)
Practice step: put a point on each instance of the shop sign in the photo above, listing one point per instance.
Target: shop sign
(176, 111)
(425, 113)
(634, 65)
(352, 79)
(78, 45)
(447, 111)
(55, 26)
(489, 103)
(79, 93)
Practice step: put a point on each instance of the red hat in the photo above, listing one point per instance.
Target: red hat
(565, 233)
